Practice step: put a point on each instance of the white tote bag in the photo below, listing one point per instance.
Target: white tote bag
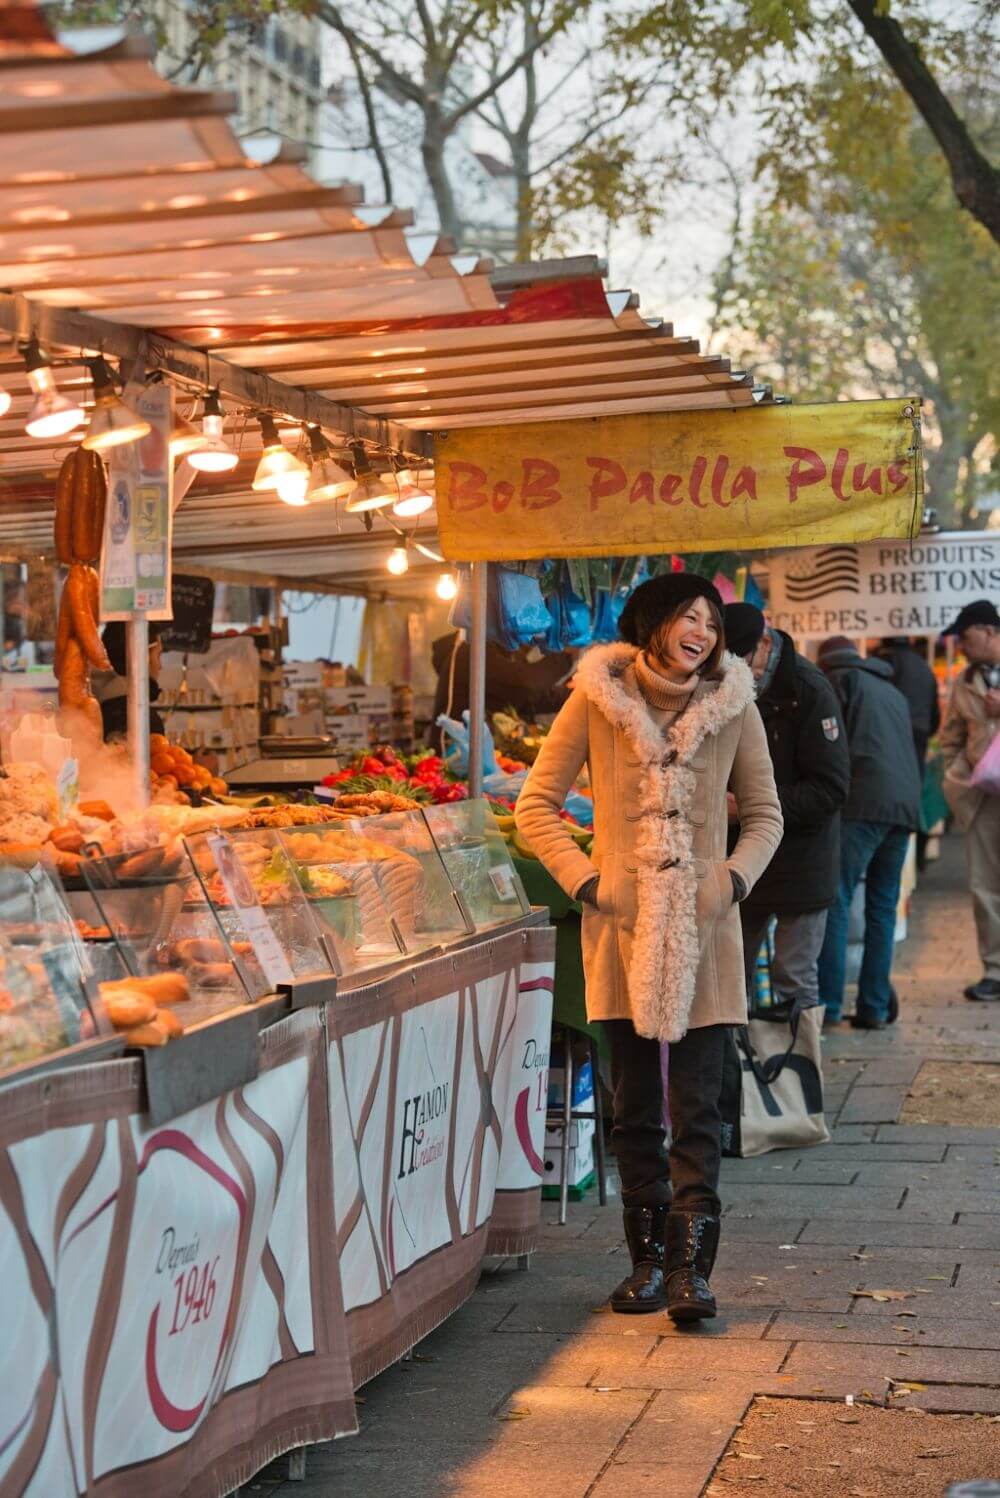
(773, 1087)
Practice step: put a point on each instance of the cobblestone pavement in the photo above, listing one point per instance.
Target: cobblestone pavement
(535, 1386)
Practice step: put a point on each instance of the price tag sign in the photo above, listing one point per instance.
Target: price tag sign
(68, 787)
(252, 915)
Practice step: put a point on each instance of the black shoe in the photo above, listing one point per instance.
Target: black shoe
(692, 1242)
(865, 1022)
(893, 1014)
(986, 991)
(643, 1289)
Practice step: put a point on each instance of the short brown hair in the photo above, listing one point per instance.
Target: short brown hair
(712, 664)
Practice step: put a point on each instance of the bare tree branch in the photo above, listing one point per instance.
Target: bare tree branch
(975, 180)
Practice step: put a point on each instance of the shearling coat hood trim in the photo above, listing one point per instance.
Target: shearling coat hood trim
(665, 946)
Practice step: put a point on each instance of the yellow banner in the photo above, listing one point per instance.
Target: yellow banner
(694, 481)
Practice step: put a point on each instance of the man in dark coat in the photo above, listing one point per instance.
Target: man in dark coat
(523, 679)
(918, 684)
(881, 811)
(812, 771)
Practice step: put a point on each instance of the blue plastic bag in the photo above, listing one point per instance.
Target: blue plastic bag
(521, 607)
(457, 759)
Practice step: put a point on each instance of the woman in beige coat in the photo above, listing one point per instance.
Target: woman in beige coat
(666, 723)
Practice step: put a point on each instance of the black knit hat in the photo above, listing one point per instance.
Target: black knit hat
(744, 628)
(980, 612)
(657, 599)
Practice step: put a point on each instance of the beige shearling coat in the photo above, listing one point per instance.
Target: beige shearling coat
(663, 947)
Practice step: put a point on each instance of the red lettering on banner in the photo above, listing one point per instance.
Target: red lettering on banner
(538, 486)
(807, 468)
(467, 491)
(718, 474)
(503, 493)
(872, 482)
(837, 476)
(642, 488)
(745, 482)
(698, 468)
(669, 486)
(898, 475)
(609, 478)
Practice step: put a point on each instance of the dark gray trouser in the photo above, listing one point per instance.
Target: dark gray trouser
(691, 1168)
(798, 941)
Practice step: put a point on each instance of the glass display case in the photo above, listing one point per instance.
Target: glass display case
(251, 884)
(243, 913)
(48, 993)
(159, 923)
(477, 858)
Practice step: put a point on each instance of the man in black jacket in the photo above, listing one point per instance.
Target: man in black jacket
(812, 771)
(918, 684)
(882, 810)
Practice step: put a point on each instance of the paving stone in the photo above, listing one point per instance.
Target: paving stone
(870, 1152)
(925, 1205)
(954, 1399)
(808, 1201)
(924, 1364)
(899, 1233)
(926, 1331)
(688, 1362)
(981, 1154)
(852, 1133)
(636, 1478)
(873, 1105)
(935, 1134)
(749, 1227)
(892, 1071)
(678, 1423)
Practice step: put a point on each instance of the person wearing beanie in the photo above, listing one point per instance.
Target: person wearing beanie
(666, 721)
(744, 626)
(881, 811)
(812, 770)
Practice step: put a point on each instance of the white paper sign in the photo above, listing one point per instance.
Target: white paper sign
(887, 588)
(253, 918)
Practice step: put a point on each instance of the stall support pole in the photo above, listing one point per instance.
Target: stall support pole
(137, 631)
(477, 677)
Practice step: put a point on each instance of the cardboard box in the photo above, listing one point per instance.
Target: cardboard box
(581, 1153)
(359, 700)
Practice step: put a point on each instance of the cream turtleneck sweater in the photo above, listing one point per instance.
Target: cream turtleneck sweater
(665, 699)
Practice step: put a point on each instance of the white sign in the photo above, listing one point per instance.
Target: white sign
(135, 556)
(253, 918)
(886, 588)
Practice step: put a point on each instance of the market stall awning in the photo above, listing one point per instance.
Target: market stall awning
(127, 203)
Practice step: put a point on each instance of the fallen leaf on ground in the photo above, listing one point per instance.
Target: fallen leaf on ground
(883, 1295)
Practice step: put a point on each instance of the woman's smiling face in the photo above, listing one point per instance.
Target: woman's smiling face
(686, 644)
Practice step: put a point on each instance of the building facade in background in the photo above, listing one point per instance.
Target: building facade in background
(274, 66)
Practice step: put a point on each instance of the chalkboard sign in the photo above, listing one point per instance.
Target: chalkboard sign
(190, 630)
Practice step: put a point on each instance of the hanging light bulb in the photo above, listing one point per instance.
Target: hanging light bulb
(5, 400)
(291, 487)
(52, 414)
(327, 478)
(411, 500)
(370, 492)
(214, 455)
(185, 438)
(276, 462)
(398, 560)
(112, 423)
(447, 587)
